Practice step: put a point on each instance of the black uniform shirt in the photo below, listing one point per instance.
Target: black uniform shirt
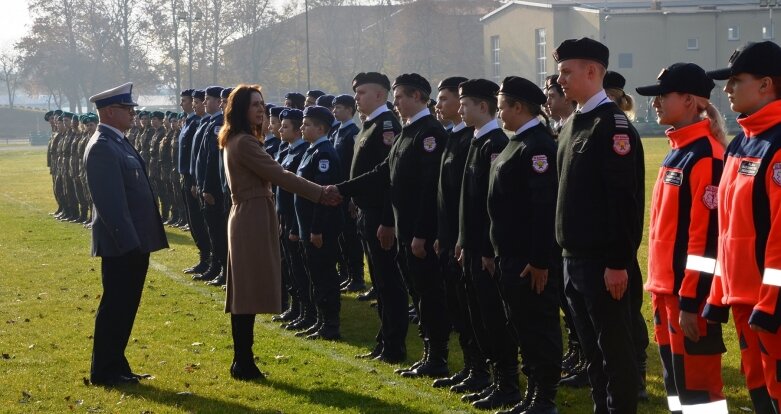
(451, 173)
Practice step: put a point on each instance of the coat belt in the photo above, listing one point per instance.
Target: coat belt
(250, 194)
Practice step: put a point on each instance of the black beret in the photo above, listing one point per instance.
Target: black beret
(346, 100)
(268, 108)
(48, 115)
(478, 88)
(613, 80)
(583, 48)
(523, 89)
(389, 105)
(319, 112)
(325, 100)
(199, 94)
(682, 78)
(315, 93)
(292, 114)
(58, 112)
(371, 77)
(158, 114)
(225, 92)
(275, 111)
(187, 93)
(552, 81)
(75, 117)
(451, 83)
(172, 115)
(143, 114)
(414, 80)
(214, 91)
(296, 97)
(760, 59)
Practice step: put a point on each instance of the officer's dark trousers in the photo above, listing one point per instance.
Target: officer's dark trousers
(195, 220)
(123, 281)
(350, 249)
(428, 290)
(321, 263)
(486, 311)
(387, 282)
(639, 327)
(534, 320)
(605, 330)
(300, 288)
(217, 227)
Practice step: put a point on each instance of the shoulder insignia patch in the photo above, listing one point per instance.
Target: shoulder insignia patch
(673, 177)
(493, 156)
(621, 121)
(324, 165)
(387, 137)
(621, 144)
(777, 173)
(387, 125)
(711, 197)
(429, 144)
(217, 129)
(540, 163)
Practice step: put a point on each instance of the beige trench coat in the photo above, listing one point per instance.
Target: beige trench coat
(254, 269)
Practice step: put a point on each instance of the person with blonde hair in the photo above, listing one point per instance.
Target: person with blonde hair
(614, 84)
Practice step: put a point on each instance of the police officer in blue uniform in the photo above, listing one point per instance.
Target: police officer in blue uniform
(126, 229)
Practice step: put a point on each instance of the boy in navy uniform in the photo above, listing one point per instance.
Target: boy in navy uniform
(272, 142)
(295, 100)
(320, 225)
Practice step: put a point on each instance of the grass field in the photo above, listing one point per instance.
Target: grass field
(50, 287)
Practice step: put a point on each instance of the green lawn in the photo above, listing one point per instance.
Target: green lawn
(50, 288)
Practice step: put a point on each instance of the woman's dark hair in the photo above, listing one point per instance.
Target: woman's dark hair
(236, 113)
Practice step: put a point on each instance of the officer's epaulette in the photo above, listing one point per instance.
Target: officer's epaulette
(621, 121)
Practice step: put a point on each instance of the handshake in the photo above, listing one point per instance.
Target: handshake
(331, 196)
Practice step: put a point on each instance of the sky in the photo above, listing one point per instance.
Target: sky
(14, 20)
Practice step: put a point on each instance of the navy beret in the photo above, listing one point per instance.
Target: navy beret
(371, 77)
(315, 93)
(292, 114)
(451, 83)
(187, 92)
(319, 112)
(158, 114)
(214, 91)
(143, 114)
(523, 89)
(199, 94)
(613, 80)
(325, 100)
(583, 48)
(275, 111)
(225, 92)
(268, 108)
(414, 80)
(346, 100)
(478, 88)
(297, 98)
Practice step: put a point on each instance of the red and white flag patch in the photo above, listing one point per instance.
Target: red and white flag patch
(387, 137)
(540, 163)
(621, 144)
(711, 197)
(777, 173)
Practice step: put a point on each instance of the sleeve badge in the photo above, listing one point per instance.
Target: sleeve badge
(777, 173)
(324, 165)
(387, 137)
(493, 156)
(217, 129)
(540, 163)
(429, 144)
(621, 144)
(711, 197)
(387, 125)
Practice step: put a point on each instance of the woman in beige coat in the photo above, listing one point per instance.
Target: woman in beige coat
(253, 275)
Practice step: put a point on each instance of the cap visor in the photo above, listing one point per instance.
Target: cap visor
(720, 74)
(652, 90)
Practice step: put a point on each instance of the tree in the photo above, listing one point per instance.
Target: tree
(10, 62)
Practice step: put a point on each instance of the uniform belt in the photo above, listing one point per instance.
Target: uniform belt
(250, 194)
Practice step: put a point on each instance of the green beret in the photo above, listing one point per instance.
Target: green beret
(158, 114)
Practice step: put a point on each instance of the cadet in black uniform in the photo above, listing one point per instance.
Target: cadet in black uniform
(474, 376)
(411, 171)
(295, 100)
(327, 101)
(474, 250)
(522, 206)
(343, 138)
(374, 216)
(213, 269)
(272, 142)
(312, 96)
(597, 223)
(320, 225)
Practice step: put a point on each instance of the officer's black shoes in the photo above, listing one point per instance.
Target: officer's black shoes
(499, 398)
(475, 382)
(528, 396)
(115, 380)
(354, 286)
(328, 333)
(642, 393)
(478, 395)
(217, 281)
(374, 353)
(435, 364)
(392, 357)
(577, 380)
(370, 294)
(246, 371)
(289, 315)
(209, 274)
(311, 330)
(451, 380)
(411, 367)
(300, 324)
(199, 268)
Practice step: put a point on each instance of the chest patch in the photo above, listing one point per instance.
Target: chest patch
(711, 197)
(540, 163)
(324, 165)
(777, 173)
(429, 144)
(749, 168)
(673, 177)
(621, 144)
(387, 137)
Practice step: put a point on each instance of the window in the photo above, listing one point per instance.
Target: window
(693, 44)
(625, 60)
(495, 58)
(733, 33)
(768, 32)
(542, 62)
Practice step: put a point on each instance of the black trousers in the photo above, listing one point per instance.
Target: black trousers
(486, 311)
(195, 220)
(386, 279)
(295, 257)
(350, 248)
(605, 330)
(217, 228)
(321, 264)
(123, 282)
(534, 320)
(427, 287)
(639, 327)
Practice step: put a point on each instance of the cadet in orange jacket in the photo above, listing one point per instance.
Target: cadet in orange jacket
(683, 238)
(748, 268)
